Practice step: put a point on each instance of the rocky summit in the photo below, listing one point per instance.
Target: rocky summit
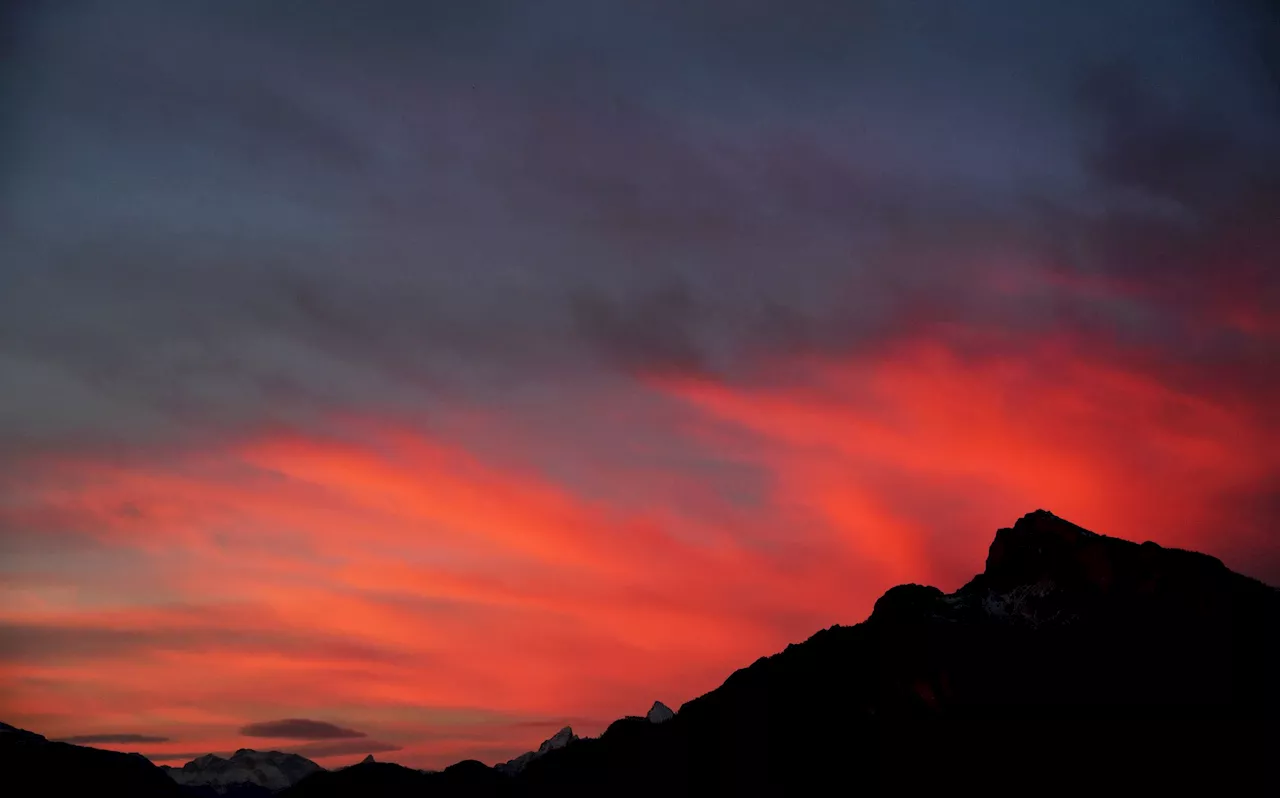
(659, 713)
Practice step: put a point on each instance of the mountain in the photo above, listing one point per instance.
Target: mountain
(555, 742)
(32, 766)
(246, 774)
(469, 778)
(659, 713)
(1073, 663)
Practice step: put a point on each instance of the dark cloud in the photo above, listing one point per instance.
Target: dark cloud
(1188, 238)
(386, 209)
(90, 739)
(183, 756)
(34, 643)
(31, 643)
(651, 332)
(342, 747)
(299, 729)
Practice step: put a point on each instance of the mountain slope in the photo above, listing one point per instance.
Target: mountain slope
(1073, 660)
(32, 766)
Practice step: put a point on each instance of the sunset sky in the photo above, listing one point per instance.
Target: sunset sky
(418, 378)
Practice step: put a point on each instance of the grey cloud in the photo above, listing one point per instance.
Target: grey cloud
(345, 218)
(183, 756)
(299, 729)
(29, 643)
(89, 739)
(1194, 243)
(652, 331)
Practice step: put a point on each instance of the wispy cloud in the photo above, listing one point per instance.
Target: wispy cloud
(343, 748)
(299, 729)
(89, 739)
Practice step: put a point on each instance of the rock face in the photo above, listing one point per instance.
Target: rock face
(555, 742)
(269, 770)
(659, 713)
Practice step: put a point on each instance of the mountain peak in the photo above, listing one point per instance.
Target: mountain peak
(558, 740)
(1042, 549)
(660, 713)
(368, 759)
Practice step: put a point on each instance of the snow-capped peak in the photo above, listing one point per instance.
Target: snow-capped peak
(274, 770)
(558, 740)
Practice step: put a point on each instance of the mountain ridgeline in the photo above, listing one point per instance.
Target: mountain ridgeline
(1074, 661)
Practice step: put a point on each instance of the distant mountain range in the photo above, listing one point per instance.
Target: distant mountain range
(1074, 663)
(245, 774)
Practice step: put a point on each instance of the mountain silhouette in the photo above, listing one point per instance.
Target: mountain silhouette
(1073, 662)
(31, 765)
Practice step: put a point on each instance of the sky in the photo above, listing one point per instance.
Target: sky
(417, 378)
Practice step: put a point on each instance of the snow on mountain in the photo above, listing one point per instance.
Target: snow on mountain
(272, 770)
(558, 740)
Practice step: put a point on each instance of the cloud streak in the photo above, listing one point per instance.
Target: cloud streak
(90, 739)
(299, 729)
(343, 748)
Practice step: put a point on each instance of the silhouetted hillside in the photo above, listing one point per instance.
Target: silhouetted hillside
(1073, 659)
(377, 779)
(1073, 662)
(32, 766)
